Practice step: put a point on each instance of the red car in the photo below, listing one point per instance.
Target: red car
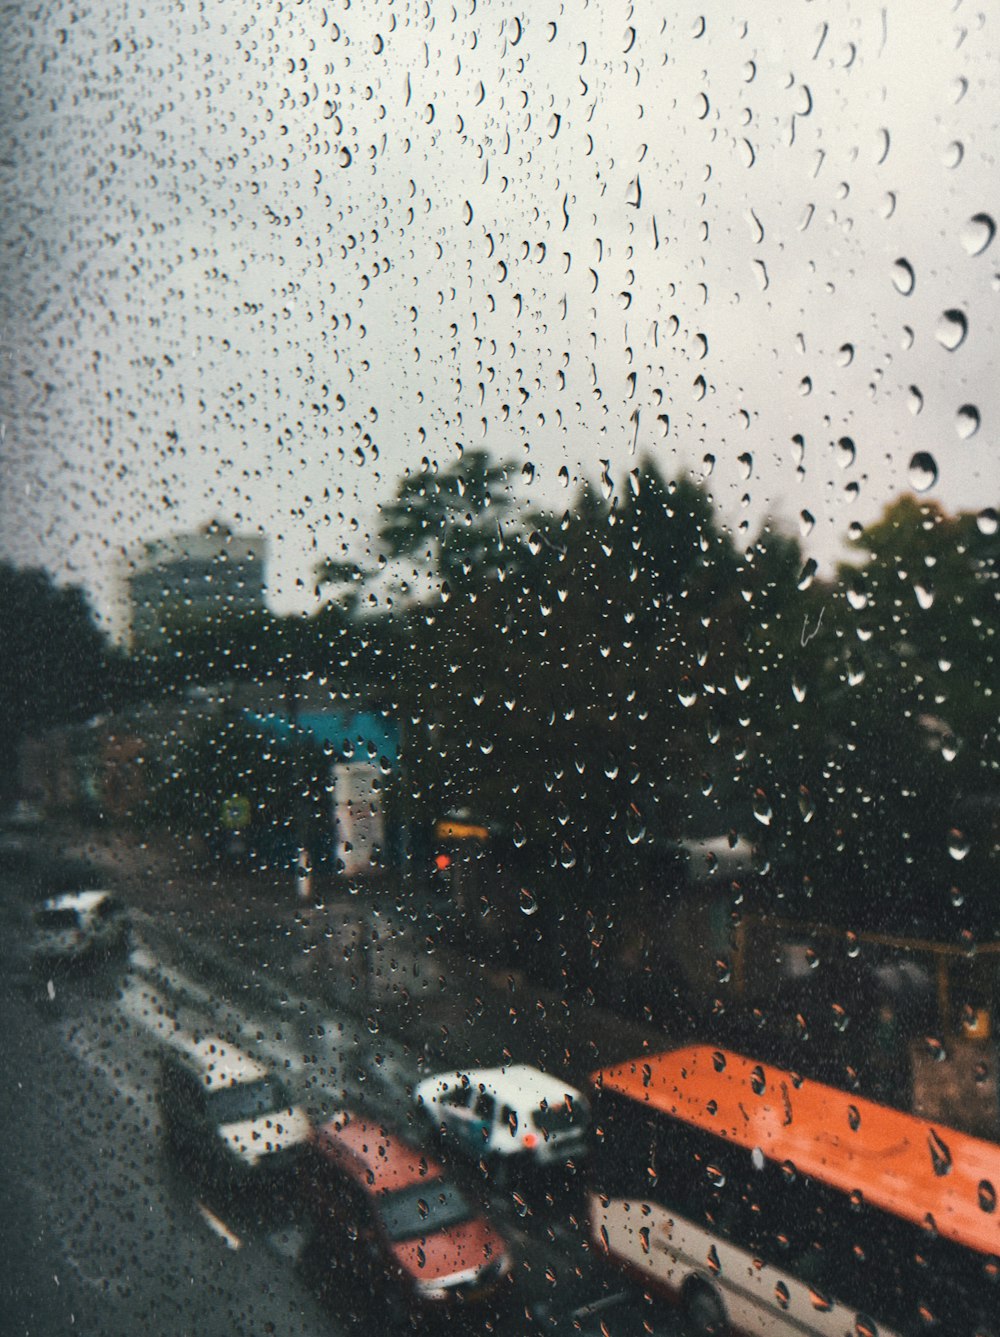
(383, 1210)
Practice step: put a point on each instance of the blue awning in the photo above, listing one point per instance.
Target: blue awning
(352, 736)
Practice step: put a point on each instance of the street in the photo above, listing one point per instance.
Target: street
(106, 1232)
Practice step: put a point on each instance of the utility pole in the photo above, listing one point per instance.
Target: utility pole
(303, 864)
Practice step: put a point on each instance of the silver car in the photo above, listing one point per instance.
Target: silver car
(78, 926)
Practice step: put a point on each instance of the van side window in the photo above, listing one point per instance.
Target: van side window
(484, 1107)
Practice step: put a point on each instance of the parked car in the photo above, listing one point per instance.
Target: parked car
(78, 926)
(507, 1116)
(229, 1116)
(386, 1214)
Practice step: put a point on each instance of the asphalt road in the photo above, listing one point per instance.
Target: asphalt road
(103, 1233)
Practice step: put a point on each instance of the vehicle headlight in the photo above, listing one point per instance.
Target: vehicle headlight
(432, 1290)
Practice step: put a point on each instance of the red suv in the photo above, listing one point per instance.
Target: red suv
(383, 1210)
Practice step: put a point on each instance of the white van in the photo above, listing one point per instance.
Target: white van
(507, 1115)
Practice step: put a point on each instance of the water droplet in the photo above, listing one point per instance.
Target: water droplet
(853, 1118)
(527, 902)
(953, 154)
(903, 278)
(635, 825)
(799, 690)
(934, 1049)
(819, 1301)
(923, 471)
(807, 522)
(345, 158)
(915, 400)
(567, 855)
(782, 1297)
(716, 1176)
(719, 1061)
(687, 693)
(807, 807)
(967, 421)
(988, 521)
(807, 574)
(952, 329)
(958, 845)
(987, 1196)
(977, 234)
(857, 596)
(712, 1259)
(758, 1083)
(845, 355)
(519, 836)
(940, 1155)
(924, 591)
(846, 452)
(708, 464)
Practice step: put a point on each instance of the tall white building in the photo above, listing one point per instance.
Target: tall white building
(188, 580)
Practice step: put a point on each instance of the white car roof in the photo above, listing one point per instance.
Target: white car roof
(519, 1083)
(219, 1063)
(77, 900)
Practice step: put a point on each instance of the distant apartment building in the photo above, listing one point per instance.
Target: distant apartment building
(192, 579)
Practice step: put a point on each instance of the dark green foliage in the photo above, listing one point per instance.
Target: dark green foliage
(56, 666)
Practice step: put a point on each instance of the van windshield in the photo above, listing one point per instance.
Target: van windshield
(422, 1209)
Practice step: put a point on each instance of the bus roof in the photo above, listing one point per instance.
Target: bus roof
(899, 1162)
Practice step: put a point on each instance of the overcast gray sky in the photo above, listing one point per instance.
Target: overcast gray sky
(260, 260)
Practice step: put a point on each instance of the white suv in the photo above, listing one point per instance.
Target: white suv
(507, 1115)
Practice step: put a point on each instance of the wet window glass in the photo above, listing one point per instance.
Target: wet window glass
(248, 1100)
(499, 539)
(422, 1210)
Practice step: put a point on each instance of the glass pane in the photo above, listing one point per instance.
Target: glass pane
(498, 575)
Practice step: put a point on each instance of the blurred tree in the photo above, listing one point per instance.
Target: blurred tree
(56, 665)
(878, 727)
(450, 518)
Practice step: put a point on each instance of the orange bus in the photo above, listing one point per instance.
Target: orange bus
(762, 1202)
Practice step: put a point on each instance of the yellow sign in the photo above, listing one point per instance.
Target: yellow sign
(460, 831)
(235, 815)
